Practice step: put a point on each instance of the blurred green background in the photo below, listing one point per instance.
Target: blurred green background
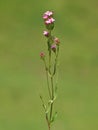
(22, 76)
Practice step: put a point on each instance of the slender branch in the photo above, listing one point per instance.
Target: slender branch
(48, 121)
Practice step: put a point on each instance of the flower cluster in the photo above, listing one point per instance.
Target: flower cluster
(48, 17)
(49, 20)
(52, 41)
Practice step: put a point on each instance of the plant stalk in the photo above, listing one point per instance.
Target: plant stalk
(51, 108)
(47, 79)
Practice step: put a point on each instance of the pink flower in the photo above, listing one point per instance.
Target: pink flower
(48, 13)
(46, 33)
(45, 16)
(42, 55)
(49, 21)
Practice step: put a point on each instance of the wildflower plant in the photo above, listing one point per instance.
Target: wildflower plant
(51, 65)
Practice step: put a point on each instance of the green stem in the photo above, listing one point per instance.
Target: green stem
(52, 87)
(49, 49)
(56, 60)
(52, 84)
(47, 79)
(48, 121)
(51, 108)
(50, 61)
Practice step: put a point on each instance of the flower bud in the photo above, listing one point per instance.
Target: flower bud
(56, 40)
(42, 55)
(53, 47)
(46, 33)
